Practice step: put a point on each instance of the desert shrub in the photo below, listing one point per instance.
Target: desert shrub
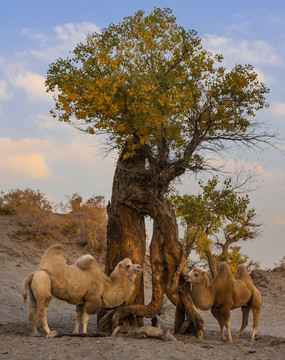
(83, 222)
(86, 221)
(23, 200)
(33, 210)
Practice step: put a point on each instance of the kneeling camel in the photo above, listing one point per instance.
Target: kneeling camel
(225, 293)
(83, 284)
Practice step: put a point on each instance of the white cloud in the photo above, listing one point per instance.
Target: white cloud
(241, 27)
(276, 19)
(254, 52)
(231, 166)
(266, 175)
(36, 162)
(265, 78)
(278, 109)
(4, 93)
(30, 164)
(31, 33)
(33, 85)
(21, 159)
(46, 122)
(278, 220)
(74, 33)
(65, 39)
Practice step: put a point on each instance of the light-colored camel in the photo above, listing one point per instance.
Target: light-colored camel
(225, 293)
(83, 284)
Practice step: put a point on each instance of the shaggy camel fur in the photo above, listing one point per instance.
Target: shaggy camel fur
(83, 284)
(225, 293)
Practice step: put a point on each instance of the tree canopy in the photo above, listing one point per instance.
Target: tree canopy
(149, 82)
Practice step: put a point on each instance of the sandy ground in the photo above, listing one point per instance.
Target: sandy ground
(18, 258)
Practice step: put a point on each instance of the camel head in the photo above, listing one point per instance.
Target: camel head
(196, 276)
(129, 268)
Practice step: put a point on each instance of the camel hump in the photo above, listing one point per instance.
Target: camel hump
(52, 254)
(242, 273)
(54, 250)
(85, 261)
(224, 269)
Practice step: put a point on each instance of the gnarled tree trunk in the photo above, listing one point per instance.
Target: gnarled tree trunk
(135, 195)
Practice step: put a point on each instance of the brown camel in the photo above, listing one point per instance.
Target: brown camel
(225, 293)
(83, 284)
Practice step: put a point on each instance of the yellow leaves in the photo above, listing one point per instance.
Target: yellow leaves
(163, 99)
(203, 243)
(148, 78)
(120, 128)
(91, 131)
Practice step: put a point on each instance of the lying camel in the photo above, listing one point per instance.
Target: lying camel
(83, 284)
(225, 293)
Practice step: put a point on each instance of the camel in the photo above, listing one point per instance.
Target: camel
(225, 293)
(83, 284)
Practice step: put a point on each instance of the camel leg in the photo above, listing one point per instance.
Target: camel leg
(225, 314)
(256, 308)
(217, 314)
(91, 307)
(85, 320)
(245, 315)
(42, 317)
(256, 312)
(79, 315)
(33, 312)
(41, 288)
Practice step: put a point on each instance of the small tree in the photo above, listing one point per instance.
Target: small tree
(216, 220)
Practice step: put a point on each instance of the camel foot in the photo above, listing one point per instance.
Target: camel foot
(35, 334)
(115, 331)
(52, 334)
(200, 334)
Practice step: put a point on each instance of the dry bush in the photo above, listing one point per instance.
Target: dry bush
(85, 223)
(34, 212)
(23, 200)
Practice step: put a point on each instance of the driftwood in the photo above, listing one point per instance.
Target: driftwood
(145, 332)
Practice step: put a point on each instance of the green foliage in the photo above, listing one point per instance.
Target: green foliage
(216, 219)
(148, 78)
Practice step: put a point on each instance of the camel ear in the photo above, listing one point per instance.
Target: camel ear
(85, 261)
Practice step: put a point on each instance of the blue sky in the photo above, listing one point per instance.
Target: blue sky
(40, 153)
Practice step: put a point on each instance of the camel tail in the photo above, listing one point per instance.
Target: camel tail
(26, 282)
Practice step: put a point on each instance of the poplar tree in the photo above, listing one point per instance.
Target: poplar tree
(150, 90)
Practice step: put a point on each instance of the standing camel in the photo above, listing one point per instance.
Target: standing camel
(225, 293)
(83, 284)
